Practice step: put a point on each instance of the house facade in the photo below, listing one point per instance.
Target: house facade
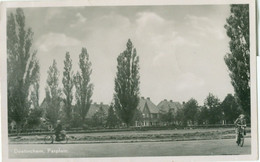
(166, 106)
(149, 112)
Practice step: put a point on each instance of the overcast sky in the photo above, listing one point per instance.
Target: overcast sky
(181, 48)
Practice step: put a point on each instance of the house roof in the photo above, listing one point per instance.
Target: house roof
(44, 105)
(151, 106)
(95, 107)
(165, 106)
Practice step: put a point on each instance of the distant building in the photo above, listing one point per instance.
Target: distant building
(166, 106)
(149, 111)
(94, 108)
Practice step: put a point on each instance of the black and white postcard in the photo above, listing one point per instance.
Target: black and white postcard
(142, 80)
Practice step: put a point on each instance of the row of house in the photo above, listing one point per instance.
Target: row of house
(150, 111)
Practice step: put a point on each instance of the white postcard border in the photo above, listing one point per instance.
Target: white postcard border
(71, 3)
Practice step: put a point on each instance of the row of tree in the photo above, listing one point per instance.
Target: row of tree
(23, 82)
(59, 101)
(126, 96)
(212, 112)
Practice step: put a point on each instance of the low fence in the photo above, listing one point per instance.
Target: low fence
(29, 132)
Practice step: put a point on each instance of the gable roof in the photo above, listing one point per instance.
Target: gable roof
(95, 107)
(44, 105)
(150, 105)
(165, 106)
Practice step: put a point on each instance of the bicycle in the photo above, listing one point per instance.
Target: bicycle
(241, 134)
(63, 138)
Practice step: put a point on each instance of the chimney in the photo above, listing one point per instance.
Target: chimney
(170, 100)
(148, 98)
(183, 102)
(142, 97)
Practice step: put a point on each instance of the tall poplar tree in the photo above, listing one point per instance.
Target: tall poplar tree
(126, 96)
(67, 86)
(35, 114)
(22, 68)
(238, 60)
(84, 89)
(53, 94)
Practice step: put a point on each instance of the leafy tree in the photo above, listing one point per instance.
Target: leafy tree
(99, 118)
(34, 118)
(35, 94)
(203, 115)
(238, 61)
(180, 119)
(112, 118)
(126, 96)
(35, 113)
(67, 87)
(75, 121)
(230, 108)
(190, 110)
(212, 103)
(138, 117)
(167, 118)
(84, 88)
(53, 94)
(22, 68)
